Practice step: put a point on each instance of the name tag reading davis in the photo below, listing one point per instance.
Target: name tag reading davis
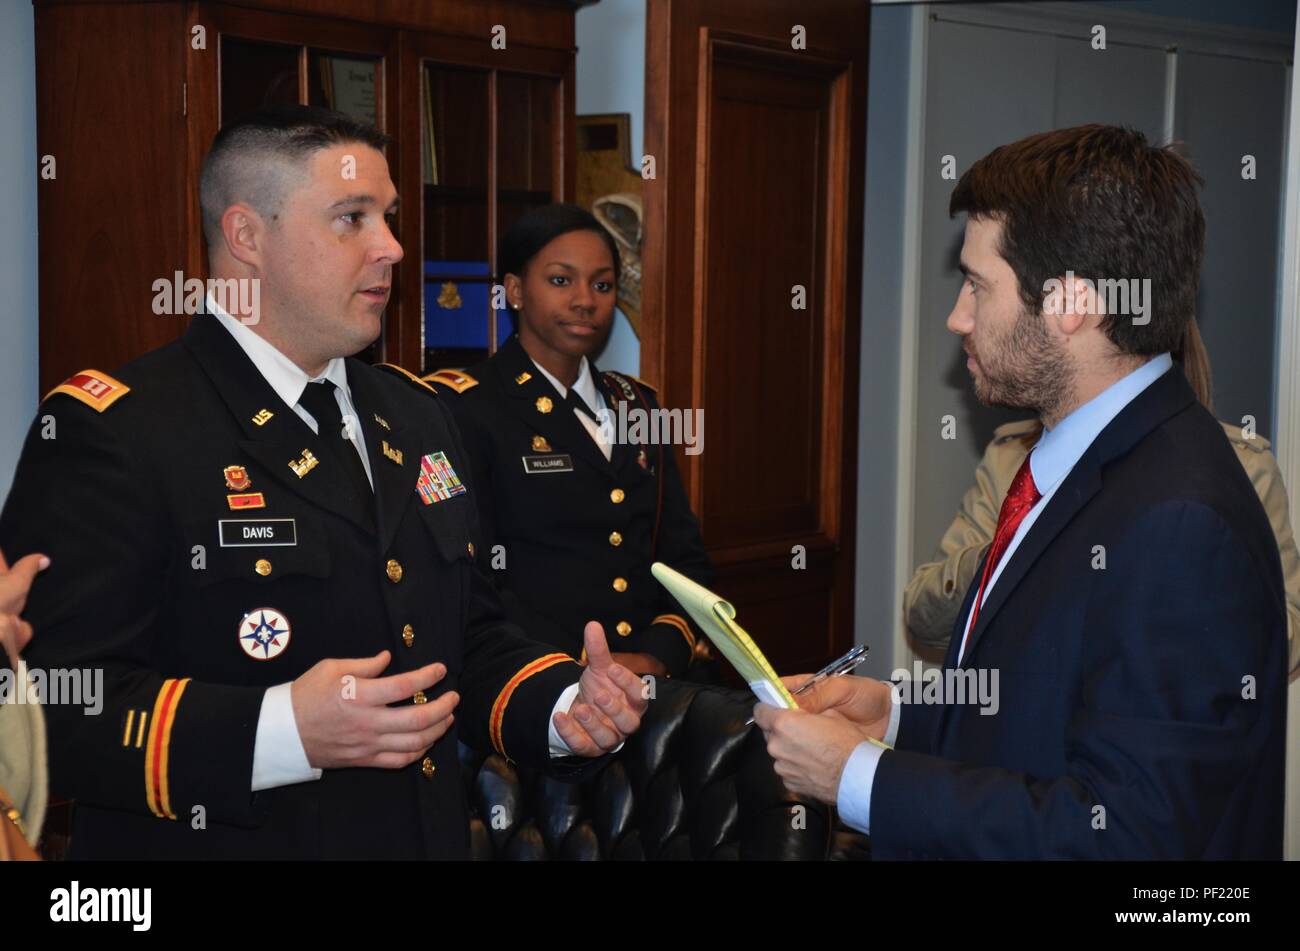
(256, 532)
(560, 462)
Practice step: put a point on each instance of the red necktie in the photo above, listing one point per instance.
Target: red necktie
(1021, 497)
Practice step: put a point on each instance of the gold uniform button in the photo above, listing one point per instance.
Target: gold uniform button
(623, 628)
(262, 567)
(615, 539)
(616, 496)
(427, 768)
(394, 570)
(408, 635)
(620, 585)
(469, 547)
(420, 697)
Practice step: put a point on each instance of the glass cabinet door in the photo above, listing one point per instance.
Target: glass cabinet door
(256, 74)
(457, 263)
(480, 176)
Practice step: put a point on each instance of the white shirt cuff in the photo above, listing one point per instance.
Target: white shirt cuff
(278, 756)
(558, 746)
(895, 715)
(853, 799)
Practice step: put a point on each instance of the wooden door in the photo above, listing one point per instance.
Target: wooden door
(756, 119)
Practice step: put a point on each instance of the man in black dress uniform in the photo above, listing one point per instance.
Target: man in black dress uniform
(269, 551)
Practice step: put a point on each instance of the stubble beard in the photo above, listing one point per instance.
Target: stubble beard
(1026, 369)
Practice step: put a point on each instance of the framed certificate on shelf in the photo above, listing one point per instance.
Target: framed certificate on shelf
(351, 87)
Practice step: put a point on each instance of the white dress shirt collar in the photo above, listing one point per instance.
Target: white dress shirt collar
(285, 377)
(1061, 447)
(584, 385)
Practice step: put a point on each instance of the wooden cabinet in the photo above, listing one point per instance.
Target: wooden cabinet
(130, 96)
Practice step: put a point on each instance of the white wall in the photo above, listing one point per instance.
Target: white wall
(611, 78)
(888, 118)
(18, 168)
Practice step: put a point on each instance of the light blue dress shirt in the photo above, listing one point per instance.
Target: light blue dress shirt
(1050, 461)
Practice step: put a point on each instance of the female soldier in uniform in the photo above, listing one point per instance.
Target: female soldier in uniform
(574, 516)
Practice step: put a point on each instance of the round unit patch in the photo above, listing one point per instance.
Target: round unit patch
(264, 633)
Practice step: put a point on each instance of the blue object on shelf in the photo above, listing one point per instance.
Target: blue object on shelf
(455, 310)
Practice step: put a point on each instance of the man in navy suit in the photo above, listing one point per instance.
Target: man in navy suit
(1130, 610)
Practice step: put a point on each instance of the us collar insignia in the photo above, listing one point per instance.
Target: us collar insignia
(382, 422)
(523, 378)
(305, 464)
(263, 417)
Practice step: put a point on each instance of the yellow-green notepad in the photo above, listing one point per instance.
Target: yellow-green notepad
(717, 618)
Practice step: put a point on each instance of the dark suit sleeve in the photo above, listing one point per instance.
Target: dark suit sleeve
(1162, 734)
(158, 743)
(672, 633)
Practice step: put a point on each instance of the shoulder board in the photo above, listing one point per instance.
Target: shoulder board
(457, 380)
(97, 390)
(1238, 438)
(628, 376)
(1016, 430)
(394, 369)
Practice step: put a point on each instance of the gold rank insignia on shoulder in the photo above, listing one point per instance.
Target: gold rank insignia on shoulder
(97, 390)
(382, 422)
(305, 464)
(394, 368)
(523, 378)
(540, 444)
(544, 404)
(262, 417)
(391, 453)
(237, 479)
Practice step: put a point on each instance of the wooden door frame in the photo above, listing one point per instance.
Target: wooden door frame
(672, 323)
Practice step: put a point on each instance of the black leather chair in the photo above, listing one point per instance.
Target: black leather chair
(693, 783)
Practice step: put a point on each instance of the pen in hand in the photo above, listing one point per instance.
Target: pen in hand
(836, 668)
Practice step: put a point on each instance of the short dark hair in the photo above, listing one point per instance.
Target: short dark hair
(538, 228)
(1099, 201)
(255, 158)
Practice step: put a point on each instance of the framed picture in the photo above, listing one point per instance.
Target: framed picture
(351, 87)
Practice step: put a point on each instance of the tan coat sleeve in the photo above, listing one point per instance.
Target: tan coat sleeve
(24, 771)
(934, 595)
(1266, 477)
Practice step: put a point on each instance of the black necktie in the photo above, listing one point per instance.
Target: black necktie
(577, 402)
(318, 399)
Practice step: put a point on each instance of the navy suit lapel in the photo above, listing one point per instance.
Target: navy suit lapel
(1168, 395)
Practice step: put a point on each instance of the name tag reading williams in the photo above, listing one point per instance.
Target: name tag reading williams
(559, 462)
(256, 532)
